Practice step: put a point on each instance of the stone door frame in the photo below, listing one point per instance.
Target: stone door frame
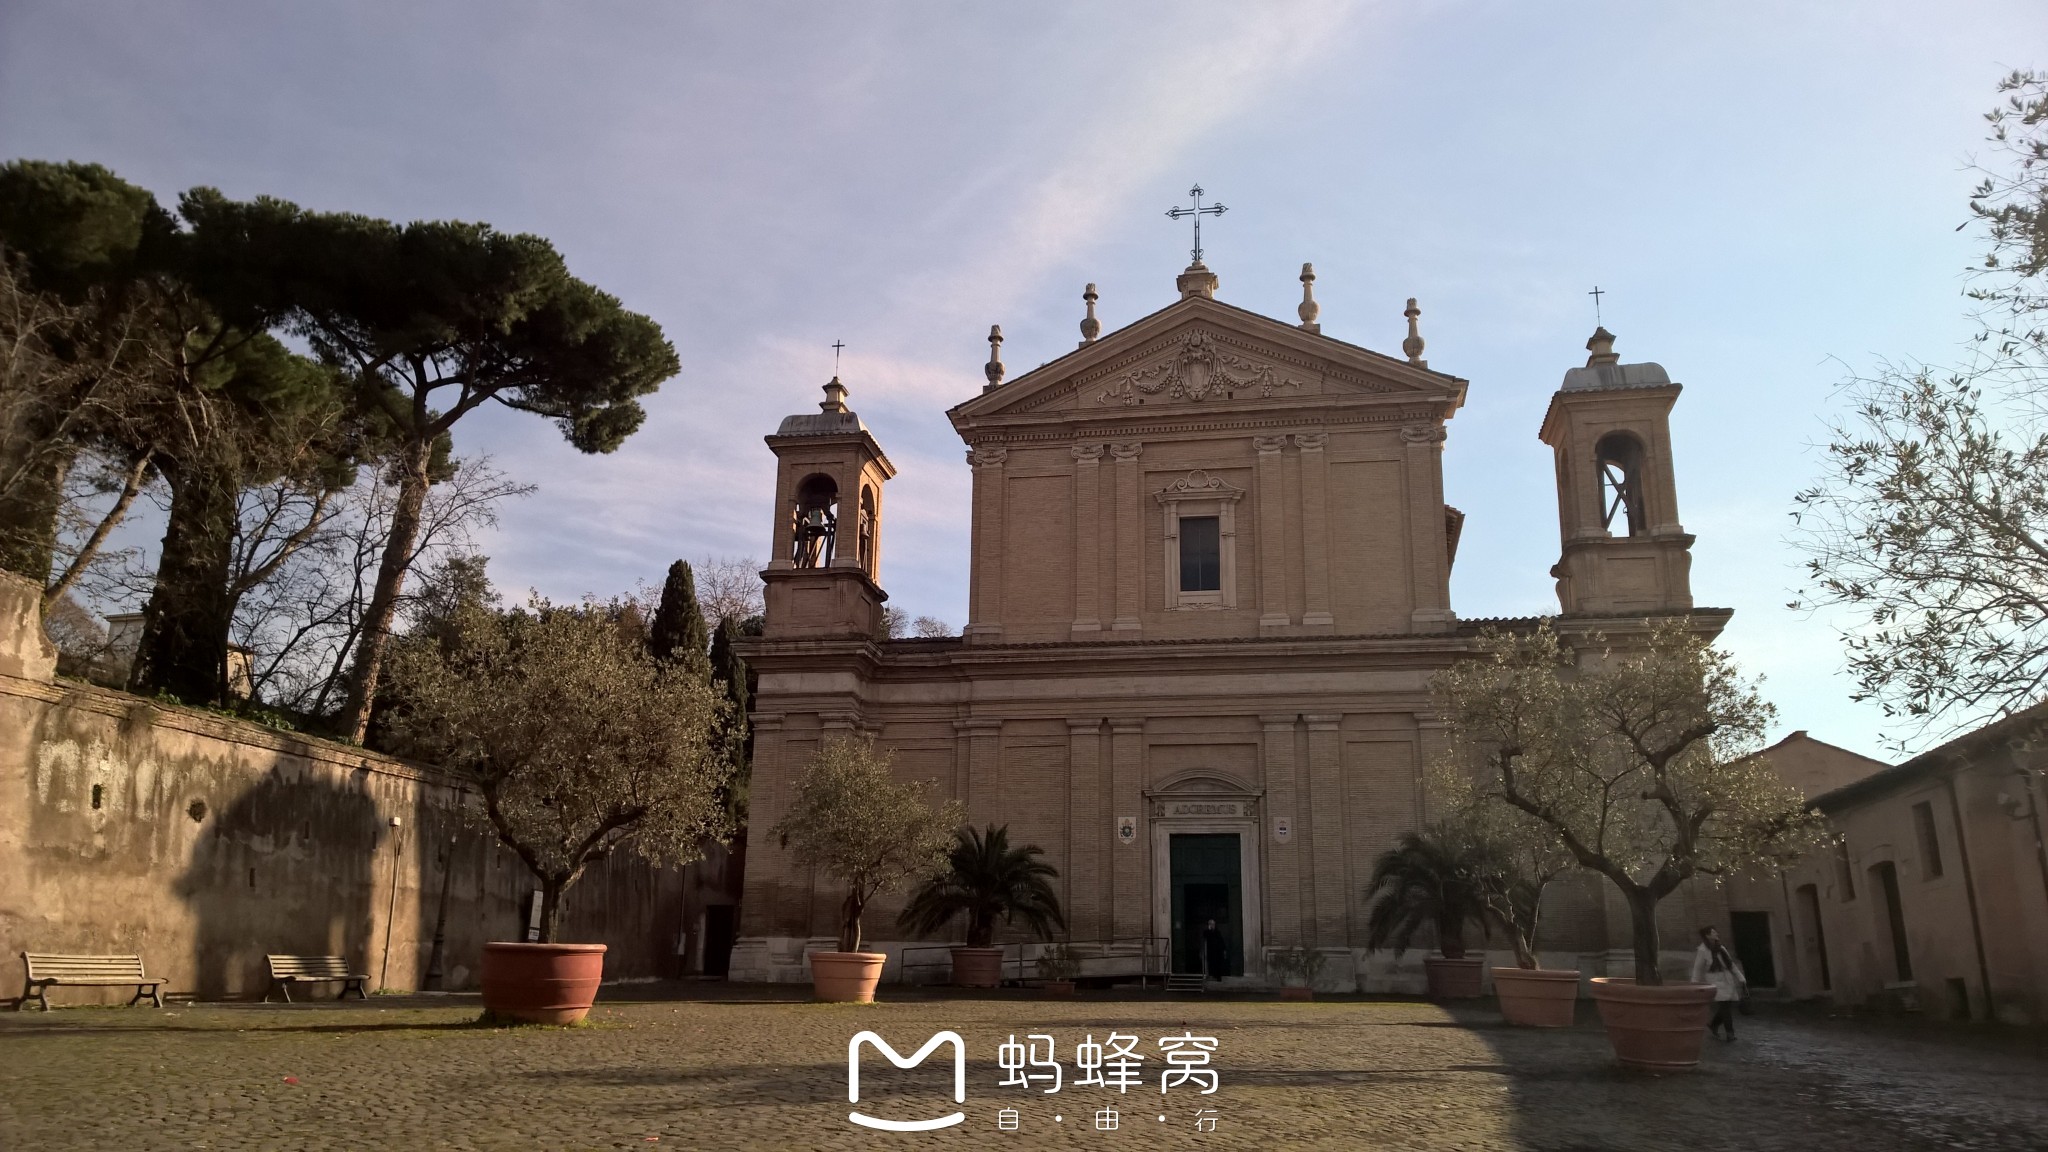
(1245, 826)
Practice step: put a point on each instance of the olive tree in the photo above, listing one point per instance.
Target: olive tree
(1929, 521)
(1639, 761)
(578, 741)
(1514, 856)
(854, 821)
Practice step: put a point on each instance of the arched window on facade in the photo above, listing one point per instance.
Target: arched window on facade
(817, 521)
(1620, 460)
(867, 531)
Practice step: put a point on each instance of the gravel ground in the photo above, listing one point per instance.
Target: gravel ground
(755, 1068)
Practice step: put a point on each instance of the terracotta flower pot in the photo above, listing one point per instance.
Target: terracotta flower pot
(1294, 992)
(1655, 1027)
(846, 977)
(542, 983)
(1461, 978)
(977, 967)
(1058, 988)
(1537, 997)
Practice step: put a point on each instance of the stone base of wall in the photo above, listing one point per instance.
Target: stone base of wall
(785, 960)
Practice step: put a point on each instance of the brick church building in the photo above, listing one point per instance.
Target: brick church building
(1210, 584)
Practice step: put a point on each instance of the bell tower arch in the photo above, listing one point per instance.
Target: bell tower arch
(823, 579)
(1623, 548)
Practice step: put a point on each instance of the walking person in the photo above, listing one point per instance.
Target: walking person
(1714, 964)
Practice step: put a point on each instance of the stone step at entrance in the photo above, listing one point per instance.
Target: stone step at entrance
(1186, 982)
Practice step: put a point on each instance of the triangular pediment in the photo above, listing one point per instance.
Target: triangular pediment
(1201, 352)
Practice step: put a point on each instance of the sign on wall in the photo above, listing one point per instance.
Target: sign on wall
(1213, 809)
(1283, 829)
(1127, 829)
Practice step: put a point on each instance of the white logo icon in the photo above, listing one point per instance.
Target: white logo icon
(882, 1046)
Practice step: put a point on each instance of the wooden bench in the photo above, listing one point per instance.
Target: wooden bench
(286, 971)
(46, 968)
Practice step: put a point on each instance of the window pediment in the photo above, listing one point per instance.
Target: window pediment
(1199, 485)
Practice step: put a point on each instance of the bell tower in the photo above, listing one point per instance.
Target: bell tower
(1624, 551)
(822, 581)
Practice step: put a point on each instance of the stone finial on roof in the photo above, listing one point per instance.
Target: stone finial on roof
(994, 368)
(1601, 345)
(1197, 281)
(1309, 309)
(835, 397)
(1090, 326)
(1412, 346)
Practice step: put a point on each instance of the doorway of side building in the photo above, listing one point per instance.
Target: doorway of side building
(1751, 933)
(1207, 884)
(720, 931)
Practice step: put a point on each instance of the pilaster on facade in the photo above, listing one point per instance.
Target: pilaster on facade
(1089, 835)
(1271, 534)
(1130, 540)
(1283, 841)
(984, 735)
(1315, 531)
(1131, 873)
(1326, 801)
(1087, 535)
(1429, 573)
(1432, 742)
(767, 802)
(985, 606)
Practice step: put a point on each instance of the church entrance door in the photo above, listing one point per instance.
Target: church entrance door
(1207, 889)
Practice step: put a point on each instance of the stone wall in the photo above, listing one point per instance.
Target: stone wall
(204, 842)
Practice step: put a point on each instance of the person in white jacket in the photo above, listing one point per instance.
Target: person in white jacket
(1714, 964)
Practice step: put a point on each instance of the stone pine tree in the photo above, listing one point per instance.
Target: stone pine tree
(450, 317)
(78, 241)
(215, 405)
(245, 410)
(678, 632)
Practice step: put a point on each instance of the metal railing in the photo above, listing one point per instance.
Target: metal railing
(1115, 958)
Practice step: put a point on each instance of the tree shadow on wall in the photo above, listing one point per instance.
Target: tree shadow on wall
(288, 867)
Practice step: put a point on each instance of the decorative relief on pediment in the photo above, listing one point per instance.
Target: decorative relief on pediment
(1199, 485)
(1201, 368)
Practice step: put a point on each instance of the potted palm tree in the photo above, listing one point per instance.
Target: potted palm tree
(1642, 764)
(986, 880)
(1429, 878)
(852, 820)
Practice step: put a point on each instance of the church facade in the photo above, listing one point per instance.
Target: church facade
(1210, 584)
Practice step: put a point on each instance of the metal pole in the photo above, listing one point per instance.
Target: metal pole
(432, 982)
(391, 909)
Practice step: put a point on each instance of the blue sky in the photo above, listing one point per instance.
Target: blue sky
(1767, 192)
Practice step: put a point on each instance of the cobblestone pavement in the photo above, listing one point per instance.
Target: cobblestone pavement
(757, 1069)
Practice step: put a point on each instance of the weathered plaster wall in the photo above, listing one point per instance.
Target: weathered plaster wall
(203, 843)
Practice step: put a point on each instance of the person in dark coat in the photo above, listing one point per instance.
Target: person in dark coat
(1215, 951)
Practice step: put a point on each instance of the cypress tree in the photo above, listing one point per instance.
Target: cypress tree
(679, 634)
(735, 738)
